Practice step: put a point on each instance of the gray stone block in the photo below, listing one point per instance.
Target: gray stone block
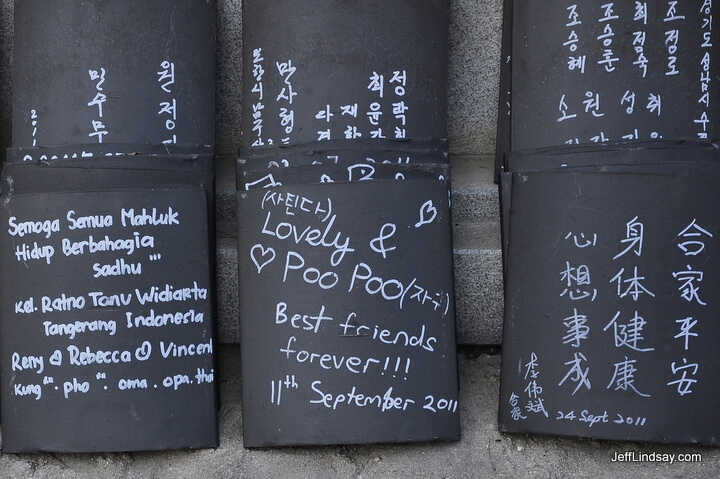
(478, 296)
(6, 46)
(228, 303)
(474, 75)
(225, 204)
(474, 193)
(228, 87)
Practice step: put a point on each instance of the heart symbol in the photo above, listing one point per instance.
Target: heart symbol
(427, 214)
(261, 257)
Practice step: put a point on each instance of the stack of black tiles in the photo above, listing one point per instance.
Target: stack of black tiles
(345, 253)
(107, 311)
(608, 178)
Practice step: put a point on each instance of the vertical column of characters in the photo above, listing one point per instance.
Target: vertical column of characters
(627, 328)
(641, 65)
(673, 21)
(654, 100)
(640, 20)
(325, 115)
(691, 241)
(705, 63)
(578, 290)
(34, 123)
(399, 107)
(285, 99)
(167, 79)
(351, 110)
(576, 62)
(532, 391)
(99, 130)
(258, 91)
(608, 21)
(607, 37)
(374, 113)
(576, 58)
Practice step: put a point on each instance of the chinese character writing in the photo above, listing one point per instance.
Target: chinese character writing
(581, 241)
(576, 373)
(516, 412)
(693, 246)
(635, 288)
(533, 389)
(688, 287)
(579, 276)
(536, 406)
(530, 367)
(628, 334)
(686, 325)
(624, 376)
(634, 231)
(577, 329)
(684, 383)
